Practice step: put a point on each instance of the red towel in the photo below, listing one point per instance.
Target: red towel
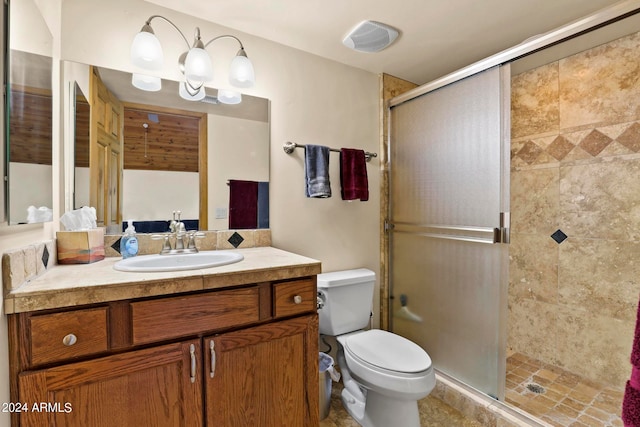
(631, 406)
(243, 204)
(353, 175)
(631, 401)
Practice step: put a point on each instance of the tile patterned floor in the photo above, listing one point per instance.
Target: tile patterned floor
(559, 397)
(433, 413)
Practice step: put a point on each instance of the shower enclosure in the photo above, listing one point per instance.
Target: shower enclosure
(536, 308)
(449, 192)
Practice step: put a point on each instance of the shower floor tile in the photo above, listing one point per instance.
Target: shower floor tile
(559, 397)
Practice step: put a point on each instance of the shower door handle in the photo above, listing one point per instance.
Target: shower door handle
(487, 235)
(503, 233)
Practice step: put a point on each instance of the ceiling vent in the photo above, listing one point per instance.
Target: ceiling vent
(370, 36)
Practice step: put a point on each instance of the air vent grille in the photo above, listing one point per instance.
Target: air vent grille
(370, 36)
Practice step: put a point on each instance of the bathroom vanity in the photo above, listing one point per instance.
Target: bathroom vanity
(234, 345)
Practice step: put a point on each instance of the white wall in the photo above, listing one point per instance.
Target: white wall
(37, 193)
(154, 195)
(313, 101)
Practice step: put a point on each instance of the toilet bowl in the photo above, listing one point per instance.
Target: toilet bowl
(389, 373)
(384, 374)
(389, 363)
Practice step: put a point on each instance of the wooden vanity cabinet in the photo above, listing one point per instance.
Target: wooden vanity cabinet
(265, 364)
(242, 356)
(150, 387)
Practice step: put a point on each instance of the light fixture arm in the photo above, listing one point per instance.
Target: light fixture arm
(230, 37)
(147, 27)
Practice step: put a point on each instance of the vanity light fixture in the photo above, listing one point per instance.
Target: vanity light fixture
(195, 65)
(148, 83)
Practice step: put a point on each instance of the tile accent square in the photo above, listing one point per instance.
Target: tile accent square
(630, 138)
(560, 147)
(235, 240)
(595, 142)
(45, 257)
(559, 236)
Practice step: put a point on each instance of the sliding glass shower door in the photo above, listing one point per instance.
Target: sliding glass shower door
(449, 195)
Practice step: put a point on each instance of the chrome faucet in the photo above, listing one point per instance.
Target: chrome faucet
(179, 232)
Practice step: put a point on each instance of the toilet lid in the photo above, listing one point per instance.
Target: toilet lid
(388, 351)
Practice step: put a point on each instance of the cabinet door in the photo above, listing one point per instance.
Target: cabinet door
(160, 386)
(266, 376)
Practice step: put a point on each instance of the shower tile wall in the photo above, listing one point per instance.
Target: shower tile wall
(575, 167)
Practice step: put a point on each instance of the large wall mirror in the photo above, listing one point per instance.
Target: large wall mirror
(176, 155)
(28, 159)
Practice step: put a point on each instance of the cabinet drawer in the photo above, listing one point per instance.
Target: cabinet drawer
(174, 317)
(61, 336)
(291, 298)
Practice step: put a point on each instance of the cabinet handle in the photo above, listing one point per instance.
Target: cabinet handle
(192, 350)
(69, 340)
(297, 299)
(213, 359)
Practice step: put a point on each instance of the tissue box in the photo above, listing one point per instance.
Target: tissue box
(80, 247)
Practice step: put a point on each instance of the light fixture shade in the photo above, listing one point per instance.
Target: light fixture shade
(197, 65)
(148, 83)
(146, 51)
(191, 95)
(241, 73)
(226, 96)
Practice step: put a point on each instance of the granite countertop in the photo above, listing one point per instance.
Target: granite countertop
(71, 285)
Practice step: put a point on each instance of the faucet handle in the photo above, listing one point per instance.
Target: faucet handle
(192, 239)
(172, 224)
(166, 245)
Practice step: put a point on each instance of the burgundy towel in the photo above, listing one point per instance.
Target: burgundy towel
(631, 406)
(635, 350)
(631, 401)
(243, 204)
(353, 175)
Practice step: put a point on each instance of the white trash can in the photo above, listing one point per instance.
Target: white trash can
(325, 365)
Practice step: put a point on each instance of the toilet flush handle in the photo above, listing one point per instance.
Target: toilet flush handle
(320, 299)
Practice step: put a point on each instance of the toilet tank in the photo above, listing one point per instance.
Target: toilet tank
(348, 297)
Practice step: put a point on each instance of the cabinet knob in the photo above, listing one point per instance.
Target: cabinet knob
(69, 340)
(297, 299)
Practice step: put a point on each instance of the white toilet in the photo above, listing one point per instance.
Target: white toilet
(384, 374)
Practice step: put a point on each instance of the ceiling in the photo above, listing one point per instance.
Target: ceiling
(436, 36)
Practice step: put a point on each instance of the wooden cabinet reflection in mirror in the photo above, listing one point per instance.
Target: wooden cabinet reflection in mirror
(106, 142)
(29, 150)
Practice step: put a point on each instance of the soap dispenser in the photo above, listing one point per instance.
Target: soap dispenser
(129, 242)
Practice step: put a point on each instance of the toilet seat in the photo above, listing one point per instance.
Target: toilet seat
(374, 373)
(387, 352)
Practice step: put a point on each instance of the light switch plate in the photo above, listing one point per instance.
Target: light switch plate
(221, 213)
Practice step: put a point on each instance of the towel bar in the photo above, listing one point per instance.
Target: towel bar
(289, 147)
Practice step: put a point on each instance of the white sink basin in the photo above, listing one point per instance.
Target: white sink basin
(177, 262)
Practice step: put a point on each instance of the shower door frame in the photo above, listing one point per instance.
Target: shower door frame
(494, 233)
(595, 20)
